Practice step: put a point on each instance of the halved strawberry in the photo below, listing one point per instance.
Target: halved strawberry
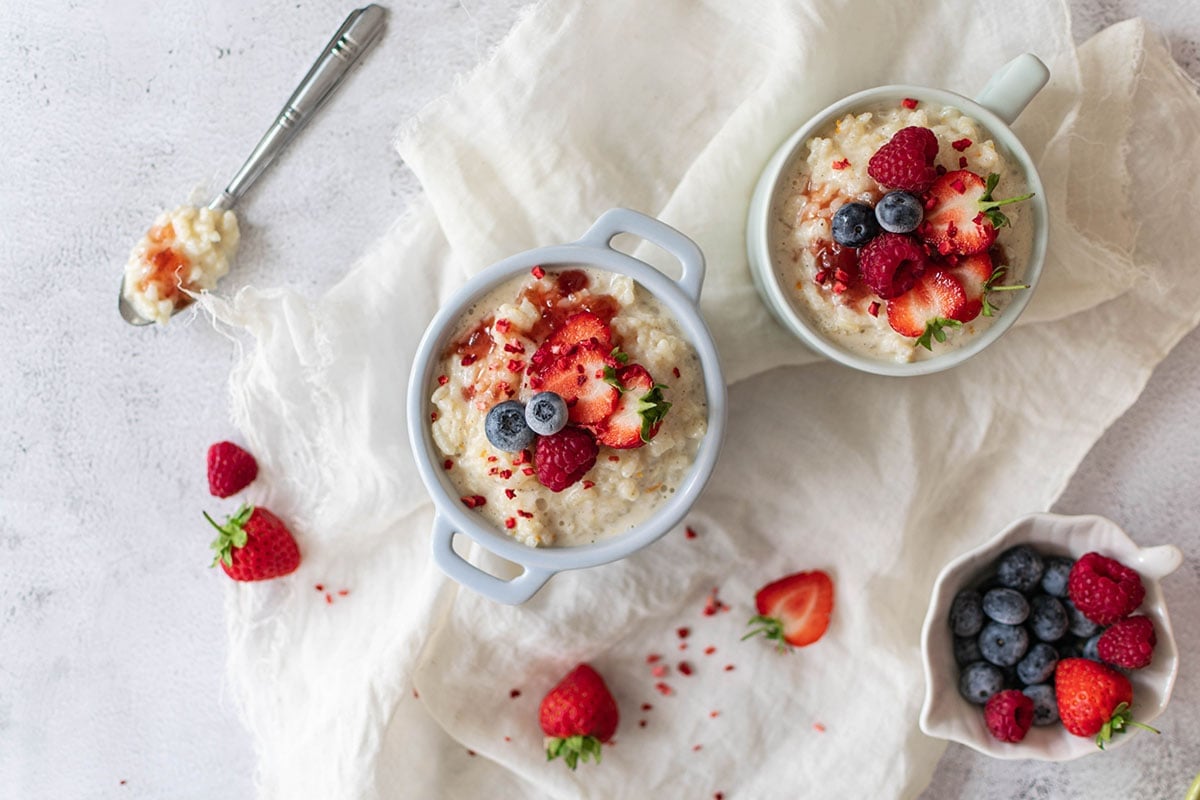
(639, 412)
(973, 272)
(932, 304)
(576, 329)
(960, 214)
(794, 610)
(578, 377)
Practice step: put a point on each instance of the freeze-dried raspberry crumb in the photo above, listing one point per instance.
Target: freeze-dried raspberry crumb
(714, 714)
(646, 706)
(320, 587)
(708, 651)
(328, 599)
(442, 380)
(909, 102)
(696, 748)
(818, 727)
(961, 144)
(684, 668)
(689, 533)
(650, 659)
(447, 464)
(641, 723)
(683, 645)
(538, 273)
(660, 671)
(729, 667)
(663, 688)
(514, 693)
(683, 633)
(343, 592)
(471, 753)
(841, 163)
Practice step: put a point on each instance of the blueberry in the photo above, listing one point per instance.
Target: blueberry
(1045, 704)
(546, 413)
(966, 650)
(1091, 648)
(505, 427)
(854, 225)
(966, 613)
(1019, 568)
(979, 681)
(1047, 618)
(1003, 645)
(1054, 579)
(1069, 647)
(899, 212)
(1006, 605)
(1077, 623)
(1038, 664)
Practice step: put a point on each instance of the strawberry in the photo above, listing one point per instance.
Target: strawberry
(960, 215)
(578, 377)
(923, 312)
(254, 545)
(230, 469)
(906, 160)
(1093, 699)
(576, 329)
(578, 715)
(973, 273)
(639, 412)
(794, 610)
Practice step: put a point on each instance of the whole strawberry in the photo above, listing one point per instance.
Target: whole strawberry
(793, 610)
(230, 469)
(254, 545)
(578, 716)
(1104, 590)
(1128, 643)
(1008, 715)
(1093, 699)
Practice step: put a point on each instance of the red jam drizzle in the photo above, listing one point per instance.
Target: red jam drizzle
(558, 299)
(167, 265)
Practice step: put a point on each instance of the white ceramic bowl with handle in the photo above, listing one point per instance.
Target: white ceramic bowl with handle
(594, 250)
(996, 108)
(947, 715)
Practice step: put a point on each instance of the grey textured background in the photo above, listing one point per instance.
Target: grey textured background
(111, 635)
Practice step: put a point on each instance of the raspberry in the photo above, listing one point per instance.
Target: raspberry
(1009, 715)
(565, 457)
(891, 263)
(1129, 643)
(230, 469)
(1104, 590)
(906, 161)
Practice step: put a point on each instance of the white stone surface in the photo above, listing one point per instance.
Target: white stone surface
(111, 634)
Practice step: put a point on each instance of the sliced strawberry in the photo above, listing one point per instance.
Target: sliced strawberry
(578, 377)
(973, 273)
(639, 412)
(794, 610)
(934, 303)
(576, 329)
(960, 215)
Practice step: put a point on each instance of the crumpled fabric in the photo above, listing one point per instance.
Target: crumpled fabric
(419, 688)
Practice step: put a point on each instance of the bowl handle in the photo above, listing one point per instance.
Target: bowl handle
(624, 220)
(1012, 87)
(512, 593)
(1159, 562)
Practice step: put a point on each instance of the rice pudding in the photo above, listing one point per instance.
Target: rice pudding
(187, 250)
(957, 290)
(533, 334)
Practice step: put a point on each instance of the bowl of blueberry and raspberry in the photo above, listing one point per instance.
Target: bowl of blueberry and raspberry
(1051, 641)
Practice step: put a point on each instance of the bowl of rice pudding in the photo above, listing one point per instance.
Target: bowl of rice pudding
(915, 290)
(618, 349)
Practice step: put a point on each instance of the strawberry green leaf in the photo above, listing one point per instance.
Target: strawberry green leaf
(231, 535)
(610, 377)
(936, 329)
(769, 628)
(573, 749)
(993, 285)
(652, 408)
(618, 356)
(1122, 717)
(988, 206)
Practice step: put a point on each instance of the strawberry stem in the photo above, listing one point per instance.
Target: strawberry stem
(936, 329)
(232, 534)
(1122, 717)
(573, 749)
(991, 286)
(652, 408)
(988, 206)
(770, 628)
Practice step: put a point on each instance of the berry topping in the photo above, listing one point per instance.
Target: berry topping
(578, 716)
(254, 545)
(546, 413)
(793, 610)
(1054, 578)
(1128, 643)
(1006, 605)
(1038, 664)
(1077, 623)
(639, 412)
(899, 212)
(960, 215)
(854, 225)
(579, 378)
(1045, 705)
(506, 428)
(1047, 618)
(890, 264)
(906, 161)
(1009, 714)
(926, 310)
(979, 681)
(1103, 589)
(1003, 645)
(230, 469)
(966, 613)
(1019, 568)
(579, 328)
(1093, 699)
(966, 650)
(565, 457)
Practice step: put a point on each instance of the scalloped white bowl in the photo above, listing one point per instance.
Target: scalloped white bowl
(946, 715)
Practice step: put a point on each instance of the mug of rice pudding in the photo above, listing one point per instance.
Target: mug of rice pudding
(566, 406)
(903, 229)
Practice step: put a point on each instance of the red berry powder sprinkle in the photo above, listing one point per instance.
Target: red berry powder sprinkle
(683, 633)
(841, 164)
(961, 144)
(684, 668)
(909, 102)
(653, 657)
(663, 688)
(708, 651)
(538, 273)
(659, 671)
(514, 693)
(689, 533)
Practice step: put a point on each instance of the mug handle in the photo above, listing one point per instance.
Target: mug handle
(625, 220)
(512, 593)
(1012, 86)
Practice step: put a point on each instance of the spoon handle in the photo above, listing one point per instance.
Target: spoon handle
(357, 34)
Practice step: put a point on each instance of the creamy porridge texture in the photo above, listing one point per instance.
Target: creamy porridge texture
(907, 293)
(602, 342)
(187, 250)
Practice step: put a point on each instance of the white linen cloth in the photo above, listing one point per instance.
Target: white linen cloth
(672, 108)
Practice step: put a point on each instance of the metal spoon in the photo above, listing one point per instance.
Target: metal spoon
(358, 32)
